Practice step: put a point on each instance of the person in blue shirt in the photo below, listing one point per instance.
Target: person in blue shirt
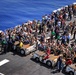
(63, 39)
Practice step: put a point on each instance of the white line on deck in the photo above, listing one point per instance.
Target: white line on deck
(4, 62)
(1, 74)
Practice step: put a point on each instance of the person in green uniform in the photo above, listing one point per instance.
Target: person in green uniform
(52, 34)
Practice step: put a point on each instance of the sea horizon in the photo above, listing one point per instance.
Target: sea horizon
(16, 12)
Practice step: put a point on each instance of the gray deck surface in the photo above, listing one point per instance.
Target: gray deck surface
(24, 65)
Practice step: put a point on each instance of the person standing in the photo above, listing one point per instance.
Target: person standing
(68, 61)
(4, 45)
(20, 44)
(59, 64)
(48, 51)
(74, 35)
(68, 38)
(63, 40)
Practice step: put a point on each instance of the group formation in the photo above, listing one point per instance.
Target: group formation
(56, 31)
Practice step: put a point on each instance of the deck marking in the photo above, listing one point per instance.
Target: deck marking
(1, 74)
(4, 62)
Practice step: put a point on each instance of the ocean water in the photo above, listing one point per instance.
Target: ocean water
(16, 12)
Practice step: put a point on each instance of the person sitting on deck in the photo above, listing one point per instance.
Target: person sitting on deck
(20, 44)
(47, 54)
(68, 61)
(26, 41)
(58, 51)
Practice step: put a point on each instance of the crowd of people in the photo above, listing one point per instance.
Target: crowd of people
(61, 32)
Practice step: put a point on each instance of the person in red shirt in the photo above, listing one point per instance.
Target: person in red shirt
(47, 54)
(68, 61)
(48, 51)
